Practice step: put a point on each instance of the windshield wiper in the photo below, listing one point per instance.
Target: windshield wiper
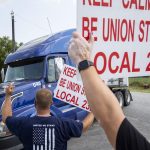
(9, 81)
(19, 79)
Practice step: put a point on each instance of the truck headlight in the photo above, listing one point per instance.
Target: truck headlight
(4, 130)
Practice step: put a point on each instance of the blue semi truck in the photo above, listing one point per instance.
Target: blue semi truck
(38, 64)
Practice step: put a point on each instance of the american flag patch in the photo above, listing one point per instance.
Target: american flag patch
(43, 137)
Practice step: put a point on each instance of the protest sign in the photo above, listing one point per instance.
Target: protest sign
(70, 90)
(121, 31)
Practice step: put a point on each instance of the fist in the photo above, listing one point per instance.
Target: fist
(79, 48)
(9, 89)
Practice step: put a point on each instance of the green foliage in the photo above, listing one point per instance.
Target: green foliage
(5, 49)
(140, 84)
(139, 81)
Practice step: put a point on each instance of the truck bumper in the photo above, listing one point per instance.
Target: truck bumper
(10, 143)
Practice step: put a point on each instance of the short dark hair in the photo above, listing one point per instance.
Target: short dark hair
(43, 98)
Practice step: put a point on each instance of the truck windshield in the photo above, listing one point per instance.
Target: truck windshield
(25, 70)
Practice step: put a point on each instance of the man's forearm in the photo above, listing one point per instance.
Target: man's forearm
(7, 108)
(103, 103)
(87, 122)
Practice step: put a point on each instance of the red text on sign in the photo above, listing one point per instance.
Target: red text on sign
(62, 82)
(82, 91)
(73, 86)
(104, 3)
(148, 66)
(85, 105)
(136, 4)
(69, 72)
(67, 97)
(118, 30)
(144, 28)
(107, 61)
(89, 26)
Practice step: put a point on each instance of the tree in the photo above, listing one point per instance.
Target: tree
(5, 49)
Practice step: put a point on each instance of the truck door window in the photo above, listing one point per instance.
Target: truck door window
(51, 70)
(55, 66)
(59, 63)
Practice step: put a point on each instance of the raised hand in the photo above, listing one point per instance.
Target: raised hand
(9, 89)
(79, 48)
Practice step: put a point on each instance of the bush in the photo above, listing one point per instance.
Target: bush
(139, 81)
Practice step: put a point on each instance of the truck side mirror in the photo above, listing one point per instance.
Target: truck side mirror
(2, 74)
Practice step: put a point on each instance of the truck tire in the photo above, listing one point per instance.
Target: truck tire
(127, 97)
(120, 98)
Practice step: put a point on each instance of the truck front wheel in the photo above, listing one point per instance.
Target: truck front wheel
(120, 98)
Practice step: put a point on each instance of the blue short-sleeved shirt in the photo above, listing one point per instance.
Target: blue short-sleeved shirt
(44, 133)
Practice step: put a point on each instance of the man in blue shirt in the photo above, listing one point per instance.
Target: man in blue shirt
(43, 131)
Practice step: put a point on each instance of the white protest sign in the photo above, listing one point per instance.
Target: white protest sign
(121, 30)
(70, 90)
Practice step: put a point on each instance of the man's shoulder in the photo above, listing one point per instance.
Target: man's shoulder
(15, 119)
(130, 138)
(70, 122)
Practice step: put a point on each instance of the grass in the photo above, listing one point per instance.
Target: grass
(138, 84)
(139, 89)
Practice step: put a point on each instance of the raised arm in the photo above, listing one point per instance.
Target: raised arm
(87, 122)
(7, 108)
(102, 101)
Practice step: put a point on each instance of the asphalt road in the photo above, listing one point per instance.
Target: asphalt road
(138, 112)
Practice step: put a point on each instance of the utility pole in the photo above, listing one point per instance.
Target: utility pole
(13, 31)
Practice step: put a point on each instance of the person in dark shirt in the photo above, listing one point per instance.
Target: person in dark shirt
(120, 132)
(43, 131)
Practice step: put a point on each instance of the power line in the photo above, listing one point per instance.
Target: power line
(49, 25)
(27, 20)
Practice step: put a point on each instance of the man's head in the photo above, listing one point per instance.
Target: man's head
(43, 99)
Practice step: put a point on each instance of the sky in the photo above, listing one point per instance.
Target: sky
(32, 17)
